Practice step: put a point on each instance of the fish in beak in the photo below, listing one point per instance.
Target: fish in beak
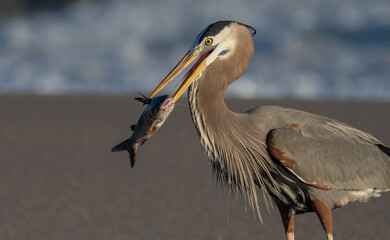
(151, 119)
(190, 76)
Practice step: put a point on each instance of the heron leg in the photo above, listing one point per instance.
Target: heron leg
(325, 215)
(288, 221)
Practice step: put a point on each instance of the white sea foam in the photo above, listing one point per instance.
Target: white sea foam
(307, 49)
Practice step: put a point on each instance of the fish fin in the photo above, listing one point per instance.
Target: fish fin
(123, 146)
(142, 95)
(132, 127)
(143, 99)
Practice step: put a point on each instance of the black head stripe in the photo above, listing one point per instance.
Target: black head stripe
(217, 27)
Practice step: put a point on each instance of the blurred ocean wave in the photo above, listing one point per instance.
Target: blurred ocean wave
(305, 49)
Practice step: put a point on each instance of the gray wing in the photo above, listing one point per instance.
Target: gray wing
(331, 155)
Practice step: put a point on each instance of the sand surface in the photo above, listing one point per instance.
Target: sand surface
(59, 180)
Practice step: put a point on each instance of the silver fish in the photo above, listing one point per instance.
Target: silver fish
(152, 118)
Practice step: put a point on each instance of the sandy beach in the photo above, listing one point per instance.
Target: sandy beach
(59, 180)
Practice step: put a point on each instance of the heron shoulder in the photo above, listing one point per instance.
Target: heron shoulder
(271, 117)
(282, 116)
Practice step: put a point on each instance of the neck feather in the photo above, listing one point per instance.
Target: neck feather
(230, 140)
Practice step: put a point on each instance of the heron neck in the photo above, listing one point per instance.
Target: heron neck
(212, 118)
(231, 140)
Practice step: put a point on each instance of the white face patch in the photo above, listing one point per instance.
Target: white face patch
(225, 45)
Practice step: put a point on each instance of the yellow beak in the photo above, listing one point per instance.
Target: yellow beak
(190, 76)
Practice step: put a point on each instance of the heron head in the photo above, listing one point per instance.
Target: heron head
(218, 41)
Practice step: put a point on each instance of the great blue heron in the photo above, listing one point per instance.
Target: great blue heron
(305, 162)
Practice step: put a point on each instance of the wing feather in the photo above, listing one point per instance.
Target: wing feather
(332, 155)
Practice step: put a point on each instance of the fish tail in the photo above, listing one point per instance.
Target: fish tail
(123, 146)
(126, 146)
(133, 154)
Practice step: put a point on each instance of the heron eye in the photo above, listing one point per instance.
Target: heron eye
(208, 41)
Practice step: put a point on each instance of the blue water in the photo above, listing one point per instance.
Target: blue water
(307, 49)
